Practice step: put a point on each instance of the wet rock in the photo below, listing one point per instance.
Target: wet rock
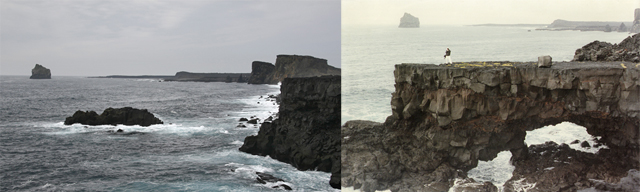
(307, 132)
(111, 116)
(265, 178)
(241, 125)
(253, 121)
(243, 119)
(585, 144)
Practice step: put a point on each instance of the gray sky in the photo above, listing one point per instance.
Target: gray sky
(466, 12)
(143, 37)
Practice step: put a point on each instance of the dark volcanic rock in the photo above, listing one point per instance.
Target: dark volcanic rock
(409, 21)
(627, 50)
(554, 167)
(265, 178)
(307, 132)
(40, 72)
(111, 116)
(261, 72)
(290, 66)
(445, 118)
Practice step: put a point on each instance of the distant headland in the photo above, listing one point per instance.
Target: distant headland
(564, 25)
(261, 72)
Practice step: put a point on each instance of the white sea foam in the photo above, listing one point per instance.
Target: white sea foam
(564, 132)
(497, 171)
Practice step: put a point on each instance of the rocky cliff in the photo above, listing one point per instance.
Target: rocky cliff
(446, 118)
(627, 50)
(409, 21)
(210, 77)
(40, 72)
(290, 66)
(261, 72)
(307, 131)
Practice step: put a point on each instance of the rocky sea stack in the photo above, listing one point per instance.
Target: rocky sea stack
(446, 118)
(111, 116)
(307, 131)
(409, 21)
(290, 66)
(40, 72)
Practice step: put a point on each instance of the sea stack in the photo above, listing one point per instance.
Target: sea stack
(409, 21)
(636, 22)
(40, 72)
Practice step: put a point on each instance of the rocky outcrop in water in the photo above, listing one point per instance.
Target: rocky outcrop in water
(290, 66)
(209, 77)
(627, 50)
(635, 28)
(111, 116)
(409, 21)
(307, 132)
(446, 118)
(40, 72)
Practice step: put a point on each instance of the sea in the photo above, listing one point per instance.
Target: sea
(370, 52)
(196, 149)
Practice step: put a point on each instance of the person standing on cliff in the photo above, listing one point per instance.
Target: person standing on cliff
(447, 56)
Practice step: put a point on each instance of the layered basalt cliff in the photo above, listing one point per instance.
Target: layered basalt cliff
(40, 72)
(307, 131)
(446, 118)
(290, 66)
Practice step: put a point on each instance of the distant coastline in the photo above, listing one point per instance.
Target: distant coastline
(509, 25)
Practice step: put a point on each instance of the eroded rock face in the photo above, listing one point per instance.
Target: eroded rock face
(40, 72)
(111, 116)
(409, 21)
(449, 117)
(290, 66)
(627, 50)
(307, 132)
(635, 28)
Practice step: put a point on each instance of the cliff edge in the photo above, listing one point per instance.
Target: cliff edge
(307, 131)
(290, 66)
(446, 118)
(40, 72)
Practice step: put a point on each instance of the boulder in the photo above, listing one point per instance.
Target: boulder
(544, 61)
(111, 116)
(627, 50)
(40, 72)
(265, 178)
(409, 21)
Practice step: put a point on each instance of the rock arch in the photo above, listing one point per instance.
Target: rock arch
(446, 118)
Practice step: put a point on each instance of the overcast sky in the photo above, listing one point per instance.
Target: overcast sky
(144, 37)
(466, 12)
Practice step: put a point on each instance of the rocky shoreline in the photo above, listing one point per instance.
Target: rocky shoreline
(446, 118)
(306, 133)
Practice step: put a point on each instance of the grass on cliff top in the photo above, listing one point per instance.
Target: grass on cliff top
(483, 64)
